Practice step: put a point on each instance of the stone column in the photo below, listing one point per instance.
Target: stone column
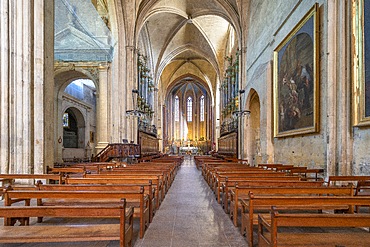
(4, 84)
(27, 82)
(102, 109)
(132, 121)
(43, 95)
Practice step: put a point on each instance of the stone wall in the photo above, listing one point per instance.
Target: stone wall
(337, 147)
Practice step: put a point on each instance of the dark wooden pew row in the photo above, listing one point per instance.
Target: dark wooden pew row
(80, 198)
(64, 171)
(47, 233)
(269, 234)
(219, 181)
(154, 196)
(225, 185)
(260, 199)
(212, 176)
(158, 181)
(135, 203)
(10, 179)
(242, 192)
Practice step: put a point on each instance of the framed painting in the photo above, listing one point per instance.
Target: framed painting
(361, 62)
(296, 68)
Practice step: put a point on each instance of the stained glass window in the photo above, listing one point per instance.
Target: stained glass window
(65, 120)
(177, 109)
(189, 109)
(202, 108)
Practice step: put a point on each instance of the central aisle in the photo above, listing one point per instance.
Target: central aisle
(190, 216)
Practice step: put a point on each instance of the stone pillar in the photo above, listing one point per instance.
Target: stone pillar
(43, 62)
(132, 121)
(102, 110)
(27, 82)
(4, 84)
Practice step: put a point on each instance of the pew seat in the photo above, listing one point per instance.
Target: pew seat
(56, 232)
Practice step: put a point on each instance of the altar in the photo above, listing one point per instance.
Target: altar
(188, 150)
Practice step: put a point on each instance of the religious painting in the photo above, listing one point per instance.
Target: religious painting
(361, 62)
(296, 79)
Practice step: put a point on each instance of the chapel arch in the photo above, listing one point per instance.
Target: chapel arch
(252, 129)
(76, 96)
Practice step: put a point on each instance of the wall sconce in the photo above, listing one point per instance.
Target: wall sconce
(135, 112)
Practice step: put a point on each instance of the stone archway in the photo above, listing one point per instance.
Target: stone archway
(74, 135)
(252, 128)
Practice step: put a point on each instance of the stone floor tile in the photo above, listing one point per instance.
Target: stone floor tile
(199, 220)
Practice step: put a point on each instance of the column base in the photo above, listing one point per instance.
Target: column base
(100, 146)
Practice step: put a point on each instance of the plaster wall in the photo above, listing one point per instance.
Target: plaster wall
(361, 154)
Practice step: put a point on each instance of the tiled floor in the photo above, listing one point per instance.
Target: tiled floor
(190, 216)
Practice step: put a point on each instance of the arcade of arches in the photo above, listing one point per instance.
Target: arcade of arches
(259, 80)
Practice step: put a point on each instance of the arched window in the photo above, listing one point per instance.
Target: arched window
(202, 108)
(189, 109)
(177, 109)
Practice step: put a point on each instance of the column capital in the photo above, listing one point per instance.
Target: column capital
(104, 66)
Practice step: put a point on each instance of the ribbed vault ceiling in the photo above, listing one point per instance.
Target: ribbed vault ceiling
(188, 37)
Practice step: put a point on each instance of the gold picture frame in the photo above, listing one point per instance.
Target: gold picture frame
(296, 80)
(361, 69)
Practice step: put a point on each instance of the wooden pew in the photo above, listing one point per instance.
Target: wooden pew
(69, 233)
(226, 181)
(242, 192)
(209, 168)
(237, 172)
(166, 183)
(147, 183)
(262, 198)
(268, 234)
(270, 166)
(307, 174)
(334, 180)
(362, 189)
(69, 198)
(63, 171)
(12, 178)
(148, 190)
(158, 182)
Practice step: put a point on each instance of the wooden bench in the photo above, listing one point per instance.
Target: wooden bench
(158, 182)
(239, 193)
(71, 198)
(228, 187)
(63, 171)
(12, 178)
(334, 180)
(148, 190)
(224, 182)
(69, 233)
(156, 187)
(166, 183)
(261, 199)
(213, 176)
(307, 174)
(268, 234)
(270, 166)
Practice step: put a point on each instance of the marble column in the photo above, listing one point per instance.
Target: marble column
(4, 80)
(43, 72)
(26, 71)
(102, 110)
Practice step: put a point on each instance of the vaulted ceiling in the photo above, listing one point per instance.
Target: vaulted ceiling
(188, 38)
